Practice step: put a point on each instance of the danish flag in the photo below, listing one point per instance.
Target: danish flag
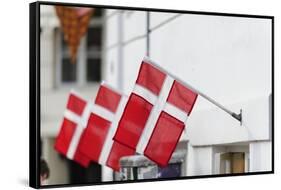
(72, 129)
(97, 142)
(155, 114)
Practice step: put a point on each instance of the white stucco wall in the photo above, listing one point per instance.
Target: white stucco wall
(199, 160)
(228, 58)
(111, 47)
(260, 156)
(210, 126)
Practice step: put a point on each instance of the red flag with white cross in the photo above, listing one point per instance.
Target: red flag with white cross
(72, 129)
(155, 114)
(97, 142)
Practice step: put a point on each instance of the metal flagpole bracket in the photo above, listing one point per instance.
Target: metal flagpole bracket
(238, 116)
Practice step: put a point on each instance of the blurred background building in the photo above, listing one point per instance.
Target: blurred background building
(228, 58)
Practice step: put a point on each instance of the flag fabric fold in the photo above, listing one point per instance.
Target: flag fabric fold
(97, 142)
(72, 129)
(155, 114)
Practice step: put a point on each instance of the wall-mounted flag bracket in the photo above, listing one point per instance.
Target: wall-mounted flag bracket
(238, 116)
(233, 114)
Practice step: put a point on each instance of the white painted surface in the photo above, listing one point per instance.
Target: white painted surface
(227, 58)
(111, 66)
(199, 161)
(157, 18)
(112, 70)
(209, 125)
(134, 24)
(133, 55)
(107, 173)
(111, 23)
(260, 156)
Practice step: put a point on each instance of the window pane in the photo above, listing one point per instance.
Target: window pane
(68, 70)
(98, 12)
(65, 48)
(172, 170)
(94, 37)
(93, 70)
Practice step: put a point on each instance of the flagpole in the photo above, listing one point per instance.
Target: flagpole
(233, 114)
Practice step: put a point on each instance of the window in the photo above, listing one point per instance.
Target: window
(231, 159)
(94, 44)
(88, 63)
(69, 69)
(232, 162)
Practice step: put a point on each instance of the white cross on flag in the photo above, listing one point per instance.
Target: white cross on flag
(72, 128)
(155, 115)
(97, 143)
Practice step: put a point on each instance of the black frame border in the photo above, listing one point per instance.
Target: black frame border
(34, 91)
(34, 95)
